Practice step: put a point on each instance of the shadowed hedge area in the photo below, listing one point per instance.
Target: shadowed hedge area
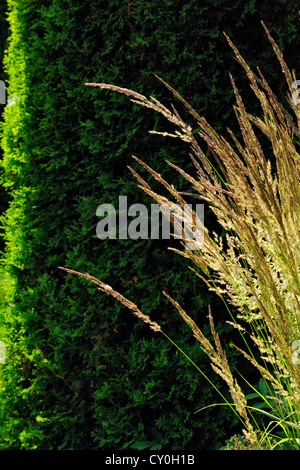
(81, 372)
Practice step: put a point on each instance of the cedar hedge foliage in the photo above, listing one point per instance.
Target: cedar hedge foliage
(3, 44)
(81, 373)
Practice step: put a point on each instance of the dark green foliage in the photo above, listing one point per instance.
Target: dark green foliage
(81, 372)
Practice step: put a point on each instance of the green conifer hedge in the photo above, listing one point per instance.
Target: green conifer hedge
(81, 372)
(3, 43)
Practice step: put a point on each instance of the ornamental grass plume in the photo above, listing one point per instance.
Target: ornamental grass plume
(109, 290)
(256, 267)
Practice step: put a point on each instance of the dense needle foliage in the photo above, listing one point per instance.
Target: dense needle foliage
(80, 372)
(255, 266)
